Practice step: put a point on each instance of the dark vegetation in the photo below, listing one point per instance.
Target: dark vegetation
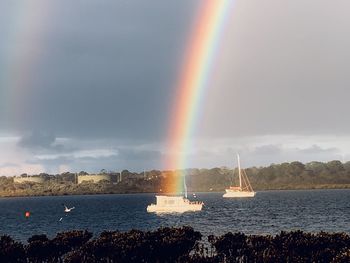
(294, 175)
(177, 245)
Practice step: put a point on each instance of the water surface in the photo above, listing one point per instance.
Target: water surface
(269, 212)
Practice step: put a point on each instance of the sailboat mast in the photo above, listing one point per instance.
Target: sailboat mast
(239, 172)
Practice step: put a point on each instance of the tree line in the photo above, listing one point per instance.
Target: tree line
(177, 245)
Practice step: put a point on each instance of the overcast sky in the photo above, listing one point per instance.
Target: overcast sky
(88, 85)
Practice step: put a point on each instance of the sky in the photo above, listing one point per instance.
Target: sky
(88, 85)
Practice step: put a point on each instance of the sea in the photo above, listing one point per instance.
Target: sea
(268, 213)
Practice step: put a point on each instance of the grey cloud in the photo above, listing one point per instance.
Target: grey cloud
(315, 149)
(109, 69)
(268, 149)
(137, 155)
(132, 159)
(37, 139)
(45, 143)
(264, 155)
(282, 68)
(105, 73)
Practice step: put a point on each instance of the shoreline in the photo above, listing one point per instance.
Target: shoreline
(319, 187)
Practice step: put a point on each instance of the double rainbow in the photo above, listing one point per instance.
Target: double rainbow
(27, 45)
(193, 81)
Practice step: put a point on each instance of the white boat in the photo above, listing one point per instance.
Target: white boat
(173, 204)
(244, 189)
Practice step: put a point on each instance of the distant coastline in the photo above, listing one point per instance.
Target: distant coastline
(285, 176)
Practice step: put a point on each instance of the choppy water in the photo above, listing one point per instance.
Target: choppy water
(268, 212)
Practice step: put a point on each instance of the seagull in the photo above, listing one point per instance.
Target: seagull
(67, 210)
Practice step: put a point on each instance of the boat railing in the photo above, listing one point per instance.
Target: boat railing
(196, 203)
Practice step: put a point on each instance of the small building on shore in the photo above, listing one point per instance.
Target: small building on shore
(94, 178)
(29, 179)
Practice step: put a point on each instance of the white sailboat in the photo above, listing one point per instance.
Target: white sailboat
(174, 204)
(244, 189)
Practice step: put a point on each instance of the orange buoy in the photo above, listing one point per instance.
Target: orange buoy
(27, 214)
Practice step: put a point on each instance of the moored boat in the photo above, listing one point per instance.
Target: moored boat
(174, 204)
(244, 189)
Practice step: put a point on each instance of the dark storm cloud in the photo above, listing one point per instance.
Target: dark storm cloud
(40, 140)
(107, 68)
(37, 139)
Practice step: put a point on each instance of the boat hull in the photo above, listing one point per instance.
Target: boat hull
(238, 194)
(174, 209)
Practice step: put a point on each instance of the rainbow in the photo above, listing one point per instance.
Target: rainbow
(193, 81)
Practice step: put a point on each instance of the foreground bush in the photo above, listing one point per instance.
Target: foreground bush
(295, 246)
(177, 245)
(163, 245)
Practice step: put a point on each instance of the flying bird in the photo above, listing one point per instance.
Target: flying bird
(67, 210)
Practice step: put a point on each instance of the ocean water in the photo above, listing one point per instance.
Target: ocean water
(269, 212)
